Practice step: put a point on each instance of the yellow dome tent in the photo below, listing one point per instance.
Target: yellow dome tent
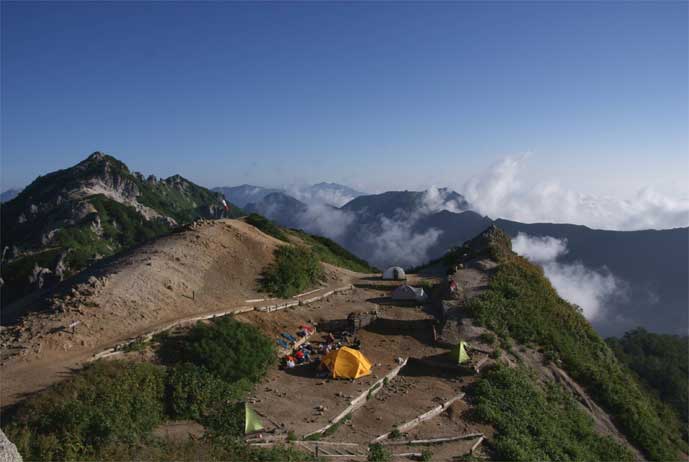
(347, 363)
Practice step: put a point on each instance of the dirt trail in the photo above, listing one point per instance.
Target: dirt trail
(204, 269)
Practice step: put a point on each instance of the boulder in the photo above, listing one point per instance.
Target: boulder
(8, 451)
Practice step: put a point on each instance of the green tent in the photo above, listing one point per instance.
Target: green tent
(251, 421)
(460, 352)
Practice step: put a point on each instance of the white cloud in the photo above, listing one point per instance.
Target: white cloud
(387, 240)
(436, 200)
(587, 288)
(394, 243)
(313, 194)
(325, 220)
(539, 249)
(502, 192)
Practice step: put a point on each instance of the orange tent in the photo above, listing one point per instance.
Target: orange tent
(347, 363)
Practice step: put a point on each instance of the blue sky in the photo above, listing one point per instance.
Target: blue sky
(377, 95)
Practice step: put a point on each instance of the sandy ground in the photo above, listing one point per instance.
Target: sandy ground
(204, 269)
(399, 332)
(298, 400)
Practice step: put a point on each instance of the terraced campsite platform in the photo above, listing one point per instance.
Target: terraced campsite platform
(300, 401)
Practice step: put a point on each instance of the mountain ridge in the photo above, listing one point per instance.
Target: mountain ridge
(65, 220)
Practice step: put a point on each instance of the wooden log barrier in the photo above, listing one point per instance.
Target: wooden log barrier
(422, 418)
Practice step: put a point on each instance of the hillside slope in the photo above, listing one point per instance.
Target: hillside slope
(652, 264)
(523, 309)
(64, 221)
(204, 268)
(9, 194)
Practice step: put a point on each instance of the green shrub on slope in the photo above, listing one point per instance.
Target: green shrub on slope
(326, 249)
(203, 450)
(521, 303)
(294, 270)
(267, 226)
(331, 252)
(534, 423)
(231, 350)
(193, 393)
(661, 362)
(107, 402)
(107, 410)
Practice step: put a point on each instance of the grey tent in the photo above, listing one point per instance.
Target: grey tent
(407, 292)
(394, 273)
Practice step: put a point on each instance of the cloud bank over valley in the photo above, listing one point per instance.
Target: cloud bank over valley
(503, 191)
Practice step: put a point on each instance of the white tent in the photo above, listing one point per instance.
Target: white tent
(407, 292)
(394, 273)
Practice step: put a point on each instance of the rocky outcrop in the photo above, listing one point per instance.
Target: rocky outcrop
(93, 209)
(39, 276)
(8, 451)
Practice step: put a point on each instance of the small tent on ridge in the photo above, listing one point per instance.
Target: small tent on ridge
(407, 292)
(459, 353)
(394, 273)
(347, 363)
(252, 423)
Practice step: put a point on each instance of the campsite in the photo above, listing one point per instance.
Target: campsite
(407, 374)
(353, 365)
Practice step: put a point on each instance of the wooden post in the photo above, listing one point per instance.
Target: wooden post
(73, 326)
(476, 444)
(422, 418)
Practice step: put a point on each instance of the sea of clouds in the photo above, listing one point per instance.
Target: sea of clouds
(388, 240)
(502, 191)
(313, 195)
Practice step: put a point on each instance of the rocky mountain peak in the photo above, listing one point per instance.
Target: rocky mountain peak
(492, 242)
(96, 156)
(94, 209)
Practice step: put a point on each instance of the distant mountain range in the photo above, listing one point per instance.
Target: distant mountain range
(64, 221)
(322, 193)
(411, 227)
(332, 194)
(281, 208)
(244, 194)
(9, 194)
